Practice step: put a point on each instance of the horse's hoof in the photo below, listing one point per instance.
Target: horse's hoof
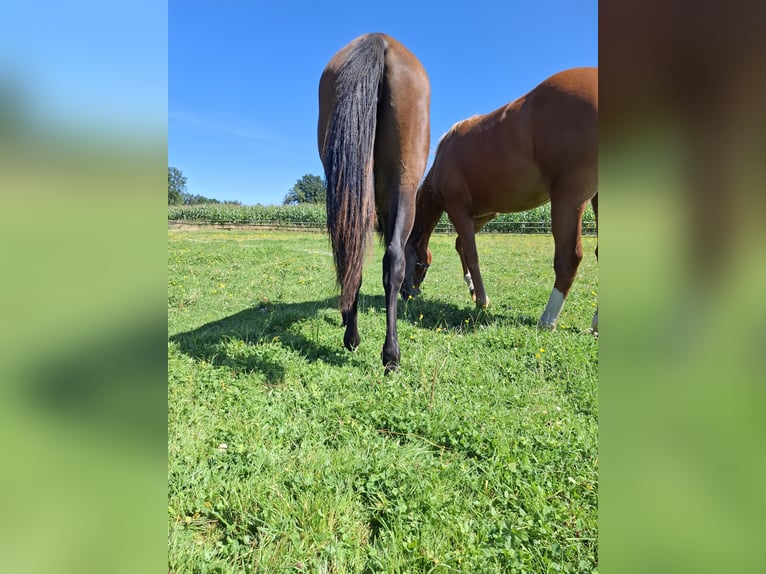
(390, 360)
(594, 324)
(482, 305)
(408, 295)
(546, 326)
(351, 342)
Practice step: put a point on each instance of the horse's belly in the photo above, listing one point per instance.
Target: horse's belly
(511, 191)
(523, 200)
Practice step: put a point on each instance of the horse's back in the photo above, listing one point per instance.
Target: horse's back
(510, 158)
(575, 82)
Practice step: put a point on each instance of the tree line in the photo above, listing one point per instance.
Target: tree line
(308, 189)
(177, 194)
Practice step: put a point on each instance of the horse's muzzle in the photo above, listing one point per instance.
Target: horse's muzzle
(409, 292)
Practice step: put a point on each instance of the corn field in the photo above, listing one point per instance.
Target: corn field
(312, 216)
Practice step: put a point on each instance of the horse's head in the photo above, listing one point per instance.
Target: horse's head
(417, 258)
(417, 255)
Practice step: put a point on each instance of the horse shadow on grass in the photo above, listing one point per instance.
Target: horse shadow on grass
(429, 314)
(242, 341)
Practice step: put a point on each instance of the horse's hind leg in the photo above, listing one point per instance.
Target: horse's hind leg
(397, 230)
(566, 221)
(351, 337)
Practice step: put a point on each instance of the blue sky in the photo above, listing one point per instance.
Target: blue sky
(87, 66)
(243, 75)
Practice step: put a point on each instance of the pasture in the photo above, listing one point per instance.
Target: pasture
(287, 453)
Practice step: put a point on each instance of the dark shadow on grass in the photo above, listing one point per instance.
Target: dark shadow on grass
(265, 323)
(275, 322)
(110, 383)
(450, 316)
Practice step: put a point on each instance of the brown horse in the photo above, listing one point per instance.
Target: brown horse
(374, 136)
(541, 147)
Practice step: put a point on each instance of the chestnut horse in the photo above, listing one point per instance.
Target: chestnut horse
(374, 136)
(541, 147)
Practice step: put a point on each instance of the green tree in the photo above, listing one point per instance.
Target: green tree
(176, 186)
(308, 189)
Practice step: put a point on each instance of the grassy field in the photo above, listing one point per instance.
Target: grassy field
(286, 453)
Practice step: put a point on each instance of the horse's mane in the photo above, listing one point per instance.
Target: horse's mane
(425, 185)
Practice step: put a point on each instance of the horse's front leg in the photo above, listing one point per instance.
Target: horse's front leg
(467, 237)
(478, 223)
(466, 273)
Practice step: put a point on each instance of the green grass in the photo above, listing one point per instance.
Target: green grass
(289, 454)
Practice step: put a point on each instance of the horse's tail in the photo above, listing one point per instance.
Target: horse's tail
(348, 162)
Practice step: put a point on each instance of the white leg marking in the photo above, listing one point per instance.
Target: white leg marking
(468, 281)
(594, 323)
(552, 310)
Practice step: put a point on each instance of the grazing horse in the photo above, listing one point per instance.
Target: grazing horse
(541, 147)
(374, 136)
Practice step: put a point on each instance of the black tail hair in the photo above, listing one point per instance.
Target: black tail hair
(349, 162)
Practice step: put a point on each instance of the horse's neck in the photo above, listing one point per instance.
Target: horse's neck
(428, 211)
